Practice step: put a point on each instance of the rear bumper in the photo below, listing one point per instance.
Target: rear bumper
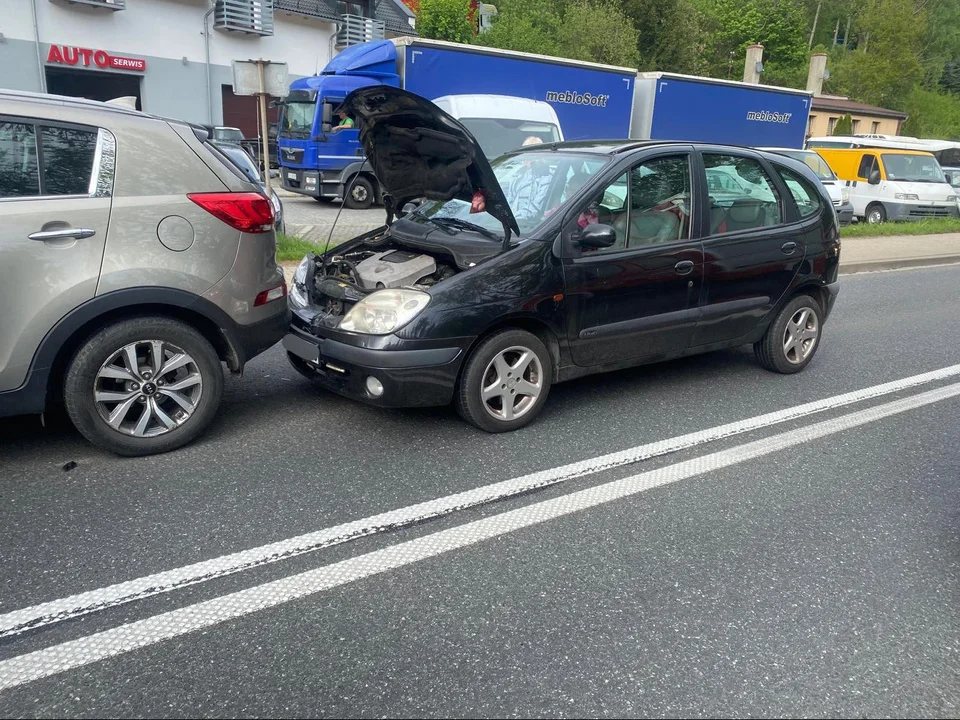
(250, 340)
(410, 378)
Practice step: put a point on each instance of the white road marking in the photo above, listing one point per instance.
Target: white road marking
(149, 631)
(18, 621)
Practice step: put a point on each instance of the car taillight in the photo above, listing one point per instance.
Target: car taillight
(245, 211)
(270, 295)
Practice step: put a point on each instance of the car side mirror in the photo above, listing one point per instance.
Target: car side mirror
(326, 127)
(597, 237)
(948, 177)
(874, 178)
(409, 208)
(327, 114)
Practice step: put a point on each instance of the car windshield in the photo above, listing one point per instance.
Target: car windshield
(297, 119)
(913, 168)
(814, 162)
(536, 185)
(498, 136)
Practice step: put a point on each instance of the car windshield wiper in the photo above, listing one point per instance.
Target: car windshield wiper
(432, 221)
(466, 225)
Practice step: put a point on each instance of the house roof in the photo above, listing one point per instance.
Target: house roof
(845, 105)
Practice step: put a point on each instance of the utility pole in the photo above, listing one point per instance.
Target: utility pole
(816, 17)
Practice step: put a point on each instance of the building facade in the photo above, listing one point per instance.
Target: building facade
(174, 56)
(826, 111)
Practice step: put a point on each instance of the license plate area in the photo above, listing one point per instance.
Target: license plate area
(301, 348)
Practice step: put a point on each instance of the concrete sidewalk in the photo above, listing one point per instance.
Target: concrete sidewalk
(898, 251)
(859, 255)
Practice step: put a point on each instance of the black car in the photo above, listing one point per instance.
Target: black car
(554, 262)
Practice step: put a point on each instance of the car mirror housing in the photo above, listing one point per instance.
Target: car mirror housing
(874, 178)
(597, 237)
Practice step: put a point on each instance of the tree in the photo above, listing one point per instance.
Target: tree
(593, 30)
(950, 78)
(668, 34)
(932, 114)
(886, 64)
(445, 20)
(598, 31)
(779, 25)
(526, 26)
(844, 126)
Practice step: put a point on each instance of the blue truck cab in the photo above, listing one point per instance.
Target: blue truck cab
(316, 157)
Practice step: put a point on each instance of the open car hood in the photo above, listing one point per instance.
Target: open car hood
(416, 150)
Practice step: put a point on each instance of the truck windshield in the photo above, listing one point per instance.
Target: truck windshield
(536, 186)
(813, 161)
(913, 168)
(498, 136)
(297, 119)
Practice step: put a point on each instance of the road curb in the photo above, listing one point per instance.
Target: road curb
(896, 264)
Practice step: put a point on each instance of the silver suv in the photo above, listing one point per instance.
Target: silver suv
(134, 258)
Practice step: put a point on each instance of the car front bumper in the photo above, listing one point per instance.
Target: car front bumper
(420, 377)
(920, 210)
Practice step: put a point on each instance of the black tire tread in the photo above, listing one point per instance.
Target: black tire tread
(767, 350)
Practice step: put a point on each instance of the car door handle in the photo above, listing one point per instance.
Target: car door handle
(788, 248)
(63, 234)
(684, 267)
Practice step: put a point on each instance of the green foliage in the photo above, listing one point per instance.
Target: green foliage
(598, 31)
(668, 34)
(731, 25)
(932, 114)
(921, 227)
(592, 30)
(950, 78)
(526, 26)
(445, 20)
(844, 126)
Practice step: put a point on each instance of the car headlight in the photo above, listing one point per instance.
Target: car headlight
(907, 196)
(300, 274)
(385, 311)
(844, 195)
(953, 198)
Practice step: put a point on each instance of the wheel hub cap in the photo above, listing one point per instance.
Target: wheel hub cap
(512, 383)
(147, 388)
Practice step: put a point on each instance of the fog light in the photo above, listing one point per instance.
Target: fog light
(374, 387)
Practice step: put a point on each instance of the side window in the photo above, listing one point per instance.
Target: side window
(68, 156)
(19, 173)
(807, 197)
(659, 201)
(741, 195)
(867, 166)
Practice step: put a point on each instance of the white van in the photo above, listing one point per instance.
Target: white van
(838, 192)
(501, 123)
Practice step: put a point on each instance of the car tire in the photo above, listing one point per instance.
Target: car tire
(783, 349)
(876, 214)
(360, 193)
(498, 357)
(101, 368)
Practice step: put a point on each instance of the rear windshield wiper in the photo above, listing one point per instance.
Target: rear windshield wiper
(432, 221)
(466, 225)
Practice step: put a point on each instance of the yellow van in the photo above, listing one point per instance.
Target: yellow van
(893, 184)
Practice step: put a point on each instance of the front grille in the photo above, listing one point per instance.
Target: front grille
(930, 211)
(294, 156)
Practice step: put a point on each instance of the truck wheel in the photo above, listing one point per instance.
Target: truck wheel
(505, 382)
(143, 386)
(876, 214)
(360, 195)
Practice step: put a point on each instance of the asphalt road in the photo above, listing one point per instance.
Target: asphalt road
(808, 567)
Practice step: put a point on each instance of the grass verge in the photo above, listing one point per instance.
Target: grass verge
(921, 227)
(290, 247)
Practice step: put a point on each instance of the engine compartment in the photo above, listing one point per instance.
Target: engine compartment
(335, 283)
